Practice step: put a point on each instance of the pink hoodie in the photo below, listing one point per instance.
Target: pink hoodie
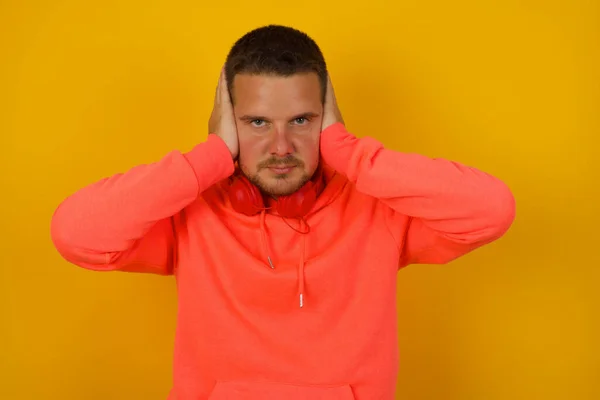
(322, 323)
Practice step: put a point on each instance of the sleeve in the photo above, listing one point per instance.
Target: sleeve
(126, 222)
(444, 209)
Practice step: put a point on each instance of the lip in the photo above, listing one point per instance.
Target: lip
(283, 169)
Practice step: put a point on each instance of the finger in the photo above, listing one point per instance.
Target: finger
(329, 96)
(331, 91)
(224, 92)
(331, 106)
(218, 90)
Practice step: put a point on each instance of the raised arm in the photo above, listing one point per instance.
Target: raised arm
(441, 209)
(125, 222)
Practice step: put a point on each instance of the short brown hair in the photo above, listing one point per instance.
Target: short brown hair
(276, 50)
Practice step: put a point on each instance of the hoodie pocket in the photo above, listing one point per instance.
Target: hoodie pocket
(239, 390)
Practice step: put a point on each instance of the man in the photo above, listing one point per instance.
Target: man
(284, 232)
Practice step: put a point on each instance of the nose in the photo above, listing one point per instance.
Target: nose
(281, 144)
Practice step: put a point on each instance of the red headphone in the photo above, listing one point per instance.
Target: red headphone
(247, 199)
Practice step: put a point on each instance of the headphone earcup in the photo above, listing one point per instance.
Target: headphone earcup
(299, 203)
(245, 198)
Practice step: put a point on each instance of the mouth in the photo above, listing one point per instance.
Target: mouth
(282, 169)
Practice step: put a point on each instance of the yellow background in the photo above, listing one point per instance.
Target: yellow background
(91, 88)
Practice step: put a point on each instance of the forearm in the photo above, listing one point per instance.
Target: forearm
(109, 216)
(459, 202)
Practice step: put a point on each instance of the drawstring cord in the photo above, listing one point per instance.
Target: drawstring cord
(266, 249)
(302, 220)
(263, 237)
(301, 266)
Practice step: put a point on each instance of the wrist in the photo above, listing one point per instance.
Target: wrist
(211, 161)
(336, 146)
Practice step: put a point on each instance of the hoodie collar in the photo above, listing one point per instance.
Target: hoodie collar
(334, 182)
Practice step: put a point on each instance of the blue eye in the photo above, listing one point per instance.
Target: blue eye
(301, 121)
(258, 122)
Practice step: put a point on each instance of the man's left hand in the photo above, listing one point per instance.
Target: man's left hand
(331, 111)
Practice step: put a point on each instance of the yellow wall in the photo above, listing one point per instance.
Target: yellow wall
(91, 88)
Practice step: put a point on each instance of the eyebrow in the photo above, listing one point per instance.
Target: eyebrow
(255, 117)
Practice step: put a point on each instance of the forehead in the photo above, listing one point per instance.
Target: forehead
(276, 96)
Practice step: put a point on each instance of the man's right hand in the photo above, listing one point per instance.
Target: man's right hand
(222, 119)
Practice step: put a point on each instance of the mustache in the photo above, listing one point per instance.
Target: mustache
(288, 161)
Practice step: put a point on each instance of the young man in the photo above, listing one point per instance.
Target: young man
(284, 232)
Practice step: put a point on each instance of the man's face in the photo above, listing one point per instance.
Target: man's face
(279, 124)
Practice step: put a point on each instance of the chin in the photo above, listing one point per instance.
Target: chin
(276, 184)
(278, 189)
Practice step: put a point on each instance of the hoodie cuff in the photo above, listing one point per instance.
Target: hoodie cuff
(337, 145)
(211, 162)
(346, 153)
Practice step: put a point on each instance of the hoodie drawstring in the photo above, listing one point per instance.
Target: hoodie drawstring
(263, 237)
(301, 267)
(266, 249)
